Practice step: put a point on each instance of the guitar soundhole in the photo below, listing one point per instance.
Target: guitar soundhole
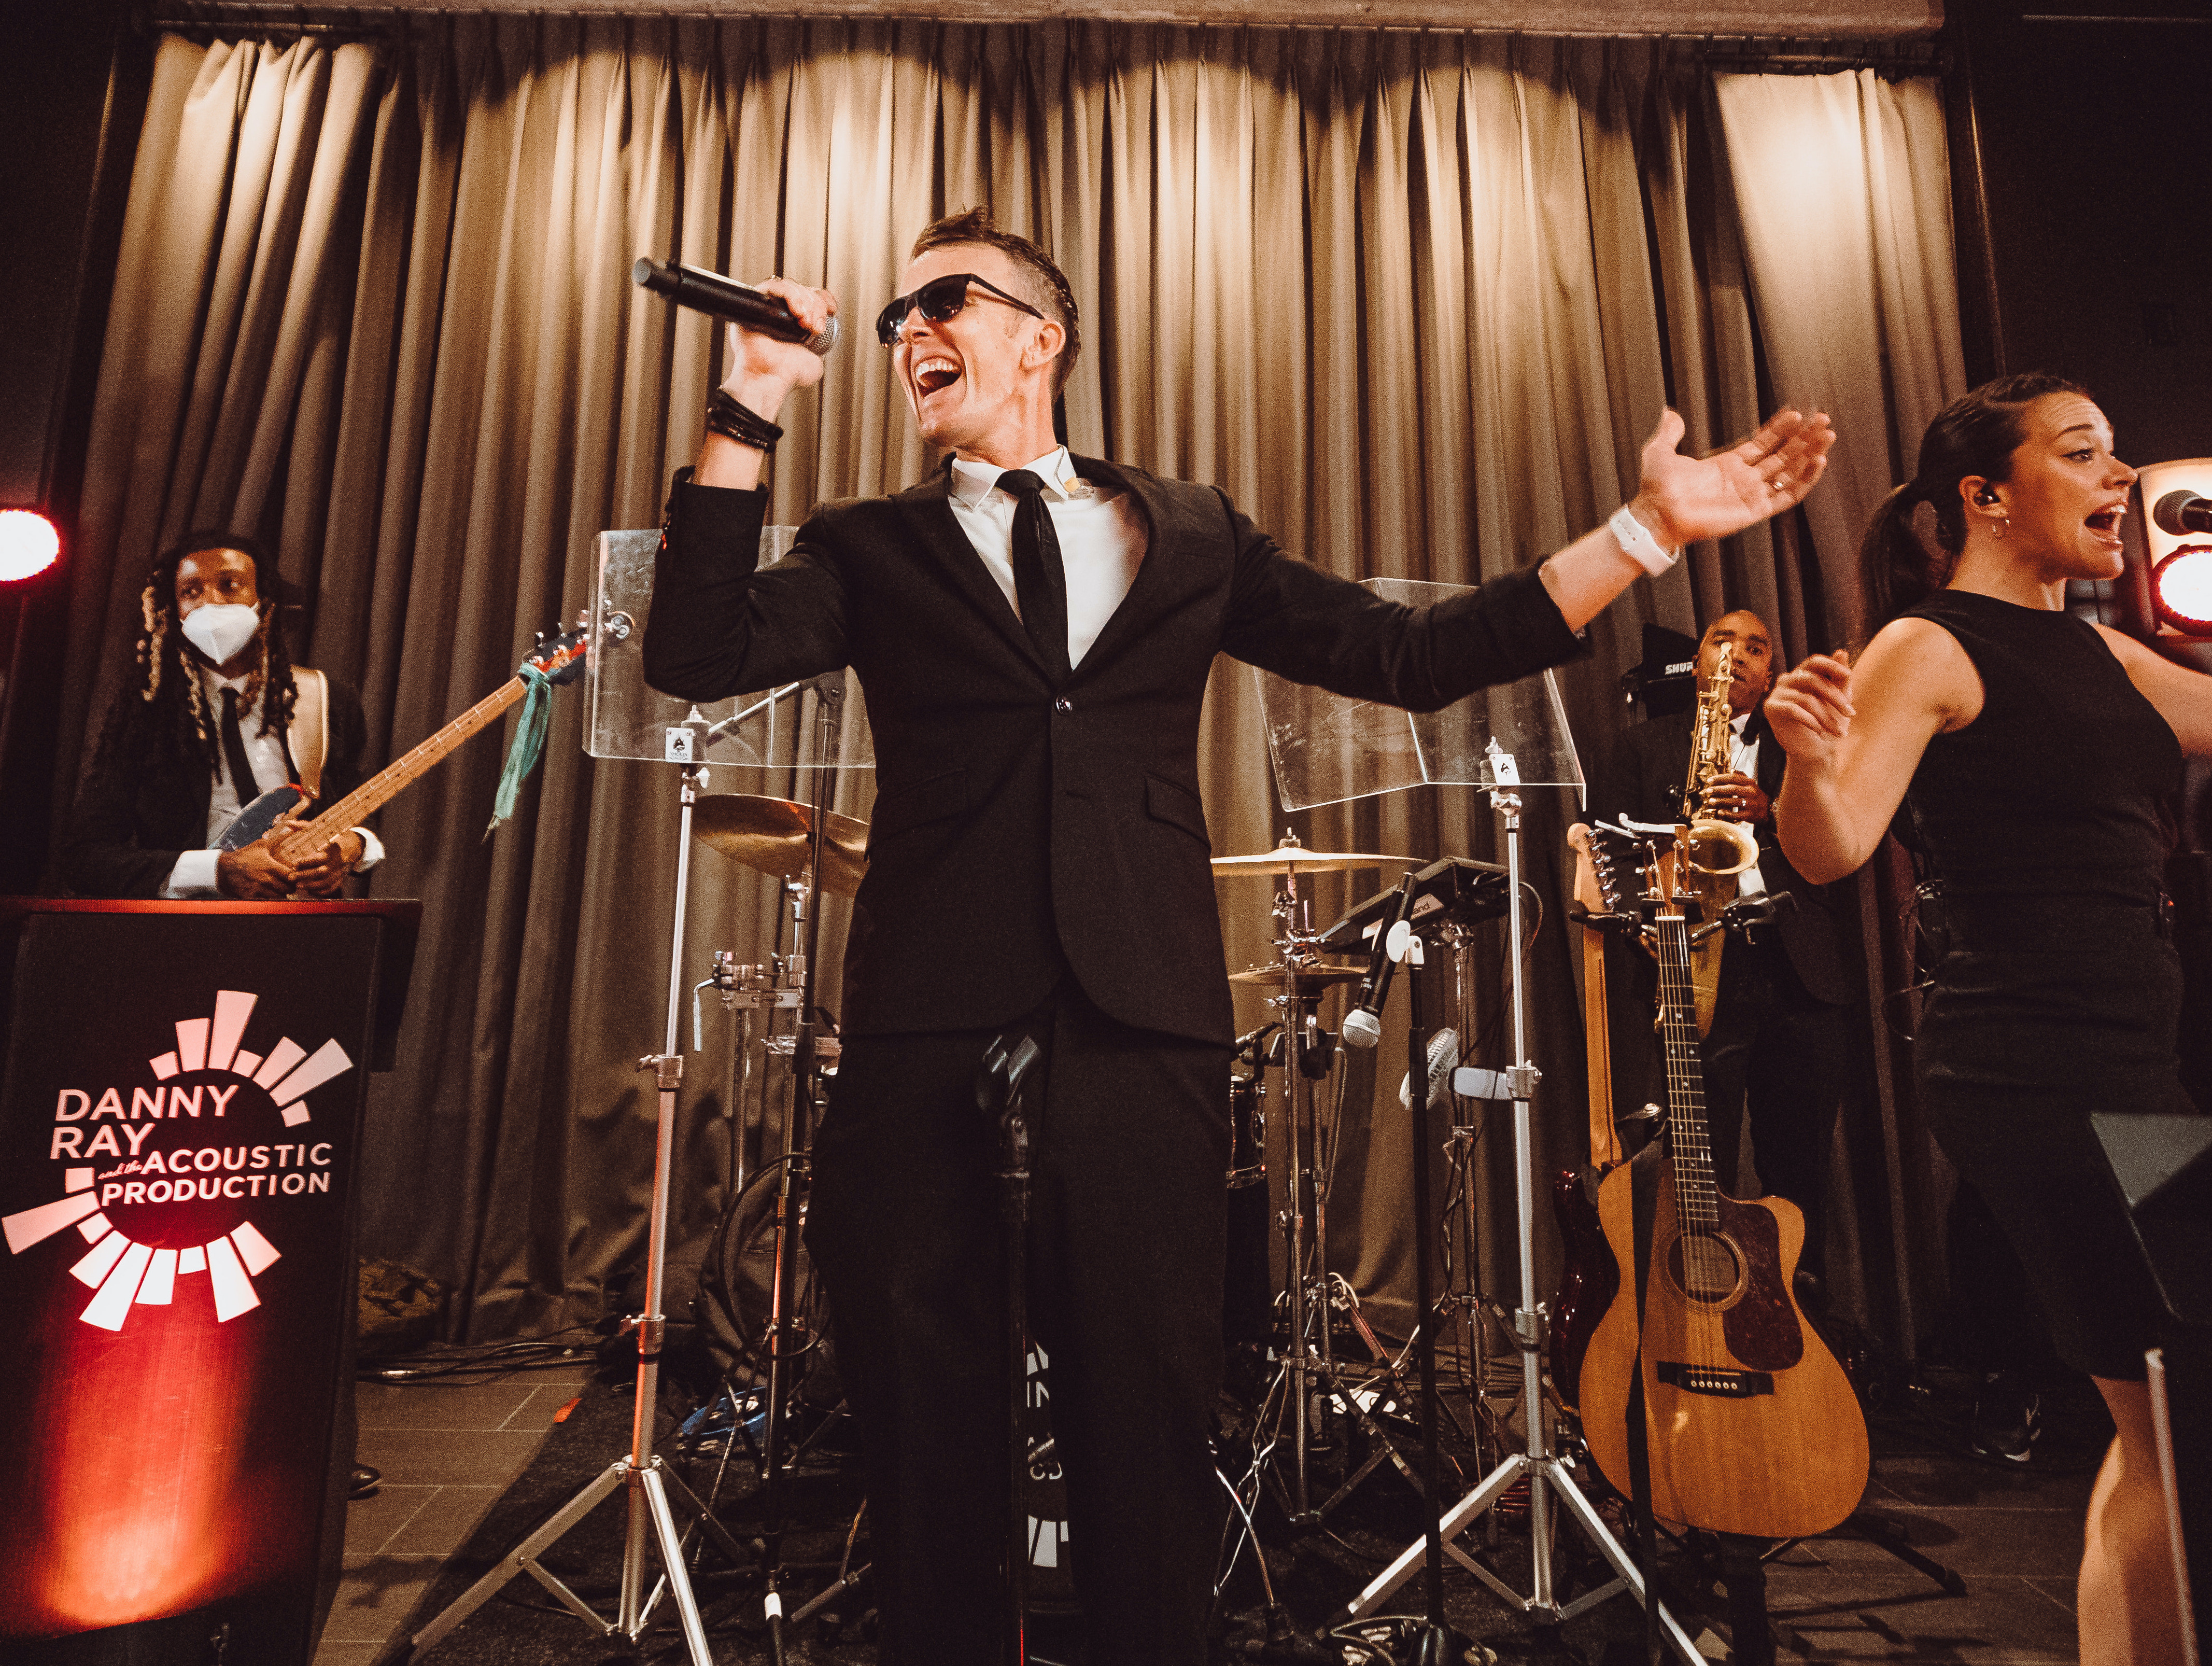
(1706, 1268)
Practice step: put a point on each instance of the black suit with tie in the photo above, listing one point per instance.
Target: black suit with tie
(143, 800)
(1779, 1047)
(1038, 856)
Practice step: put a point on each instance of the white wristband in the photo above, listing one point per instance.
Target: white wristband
(1637, 544)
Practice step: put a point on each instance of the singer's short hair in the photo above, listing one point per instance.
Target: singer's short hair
(1046, 282)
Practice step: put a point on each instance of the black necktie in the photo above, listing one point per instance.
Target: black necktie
(1040, 579)
(234, 751)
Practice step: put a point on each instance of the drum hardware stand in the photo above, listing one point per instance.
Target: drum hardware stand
(1003, 1088)
(647, 1480)
(810, 1053)
(1309, 1374)
(1543, 1468)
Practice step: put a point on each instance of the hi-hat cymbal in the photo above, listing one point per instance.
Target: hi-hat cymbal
(775, 834)
(1292, 857)
(1318, 975)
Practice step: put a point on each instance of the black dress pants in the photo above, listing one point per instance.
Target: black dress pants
(1129, 1163)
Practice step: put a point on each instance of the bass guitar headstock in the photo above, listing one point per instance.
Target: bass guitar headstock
(1631, 864)
(559, 658)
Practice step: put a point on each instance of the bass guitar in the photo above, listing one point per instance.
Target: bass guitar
(1752, 1426)
(1588, 1283)
(557, 659)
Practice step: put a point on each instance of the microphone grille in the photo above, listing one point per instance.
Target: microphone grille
(2173, 515)
(1362, 1028)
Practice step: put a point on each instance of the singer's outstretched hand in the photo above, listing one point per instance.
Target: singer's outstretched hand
(760, 375)
(1682, 499)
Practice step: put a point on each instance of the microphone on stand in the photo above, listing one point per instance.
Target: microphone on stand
(727, 299)
(1363, 1025)
(2182, 512)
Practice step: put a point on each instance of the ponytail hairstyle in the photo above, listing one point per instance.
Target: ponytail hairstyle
(1975, 435)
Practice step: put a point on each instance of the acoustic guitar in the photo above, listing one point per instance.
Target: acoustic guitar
(1753, 1425)
(558, 659)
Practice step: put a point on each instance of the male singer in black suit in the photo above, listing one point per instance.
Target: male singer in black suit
(1033, 632)
(1779, 1046)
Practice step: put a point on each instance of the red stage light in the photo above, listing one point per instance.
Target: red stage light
(29, 544)
(2181, 589)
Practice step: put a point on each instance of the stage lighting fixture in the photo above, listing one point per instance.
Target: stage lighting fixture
(2181, 589)
(2176, 548)
(29, 544)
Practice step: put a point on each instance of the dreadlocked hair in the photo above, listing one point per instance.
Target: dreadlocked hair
(1976, 434)
(177, 713)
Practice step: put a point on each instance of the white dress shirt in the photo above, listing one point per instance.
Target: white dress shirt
(1101, 538)
(1743, 759)
(194, 875)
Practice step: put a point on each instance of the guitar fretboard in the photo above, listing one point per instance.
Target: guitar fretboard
(1695, 1191)
(358, 804)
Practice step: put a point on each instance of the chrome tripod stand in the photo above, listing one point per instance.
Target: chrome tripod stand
(648, 1481)
(1311, 1384)
(1546, 1474)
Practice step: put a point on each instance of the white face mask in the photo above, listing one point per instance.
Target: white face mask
(219, 630)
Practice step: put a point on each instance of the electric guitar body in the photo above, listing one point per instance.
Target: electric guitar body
(1752, 1425)
(1589, 1280)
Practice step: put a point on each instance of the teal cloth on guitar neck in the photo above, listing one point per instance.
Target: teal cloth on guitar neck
(528, 743)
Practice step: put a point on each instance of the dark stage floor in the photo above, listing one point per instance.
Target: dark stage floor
(470, 1468)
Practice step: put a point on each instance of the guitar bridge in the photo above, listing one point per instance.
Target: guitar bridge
(1720, 1381)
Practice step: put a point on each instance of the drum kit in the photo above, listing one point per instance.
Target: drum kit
(1302, 1454)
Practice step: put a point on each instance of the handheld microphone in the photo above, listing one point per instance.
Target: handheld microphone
(1363, 1025)
(2182, 512)
(726, 298)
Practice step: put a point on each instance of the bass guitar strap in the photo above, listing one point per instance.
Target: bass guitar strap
(309, 741)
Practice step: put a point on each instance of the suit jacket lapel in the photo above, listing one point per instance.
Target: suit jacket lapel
(1166, 530)
(928, 514)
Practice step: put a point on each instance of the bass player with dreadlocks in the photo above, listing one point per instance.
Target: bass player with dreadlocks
(220, 715)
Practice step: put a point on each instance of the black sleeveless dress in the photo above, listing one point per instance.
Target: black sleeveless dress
(2059, 991)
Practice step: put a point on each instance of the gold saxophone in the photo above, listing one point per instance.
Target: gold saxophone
(1714, 851)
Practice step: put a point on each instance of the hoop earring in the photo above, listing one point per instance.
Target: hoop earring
(2002, 521)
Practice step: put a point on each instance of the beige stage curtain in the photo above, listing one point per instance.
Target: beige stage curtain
(1413, 299)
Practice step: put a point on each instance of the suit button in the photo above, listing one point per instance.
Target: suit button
(1063, 704)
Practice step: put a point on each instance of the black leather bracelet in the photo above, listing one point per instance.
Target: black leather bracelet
(726, 417)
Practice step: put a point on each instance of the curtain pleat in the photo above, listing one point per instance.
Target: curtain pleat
(1412, 298)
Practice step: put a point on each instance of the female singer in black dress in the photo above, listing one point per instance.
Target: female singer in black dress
(2034, 753)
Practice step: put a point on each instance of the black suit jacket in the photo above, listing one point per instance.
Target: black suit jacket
(1022, 829)
(1649, 766)
(140, 806)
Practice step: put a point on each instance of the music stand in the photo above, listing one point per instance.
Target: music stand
(1325, 750)
(807, 728)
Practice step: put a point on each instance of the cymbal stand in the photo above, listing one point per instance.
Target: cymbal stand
(1546, 1474)
(810, 1052)
(646, 1479)
(1463, 1301)
(1308, 1376)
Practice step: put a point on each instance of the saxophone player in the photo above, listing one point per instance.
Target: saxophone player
(1779, 1047)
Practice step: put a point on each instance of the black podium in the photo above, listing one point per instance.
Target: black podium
(181, 1112)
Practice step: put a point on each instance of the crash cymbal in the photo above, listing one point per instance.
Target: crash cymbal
(1292, 857)
(775, 835)
(1315, 975)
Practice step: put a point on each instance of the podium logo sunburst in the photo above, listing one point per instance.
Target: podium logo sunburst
(203, 1079)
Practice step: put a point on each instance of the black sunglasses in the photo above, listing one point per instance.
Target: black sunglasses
(939, 298)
